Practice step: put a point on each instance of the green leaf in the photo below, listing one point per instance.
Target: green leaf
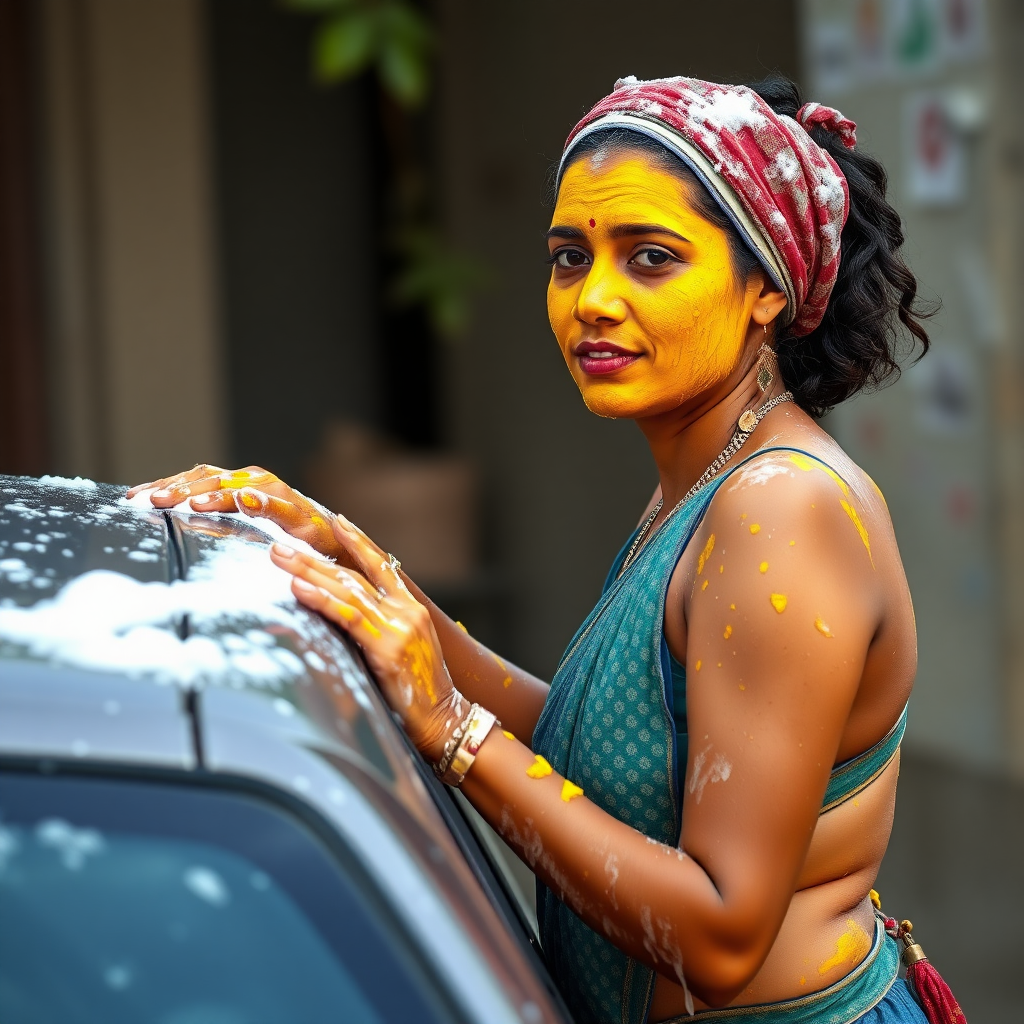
(403, 59)
(344, 46)
(403, 72)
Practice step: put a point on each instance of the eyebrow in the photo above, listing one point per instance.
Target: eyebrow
(620, 231)
(559, 231)
(627, 230)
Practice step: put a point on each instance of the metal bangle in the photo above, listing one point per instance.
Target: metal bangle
(481, 722)
(452, 743)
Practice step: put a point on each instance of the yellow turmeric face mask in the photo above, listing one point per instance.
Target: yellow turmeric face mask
(642, 298)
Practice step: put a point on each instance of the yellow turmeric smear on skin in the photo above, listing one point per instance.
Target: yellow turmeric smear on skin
(696, 668)
(861, 529)
(348, 614)
(755, 528)
(507, 734)
(539, 769)
(461, 626)
(763, 567)
(570, 790)
(732, 607)
(728, 632)
(507, 681)
(852, 946)
(806, 464)
(419, 657)
(779, 602)
(705, 554)
(704, 585)
(249, 500)
(822, 627)
(317, 521)
(235, 480)
(721, 568)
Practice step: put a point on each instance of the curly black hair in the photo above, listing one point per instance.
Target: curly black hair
(874, 307)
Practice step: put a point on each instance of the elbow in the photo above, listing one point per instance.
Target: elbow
(724, 974)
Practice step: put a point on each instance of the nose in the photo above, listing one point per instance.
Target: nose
(600, 299)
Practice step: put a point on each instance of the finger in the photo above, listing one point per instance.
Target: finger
(214, 501)
(352, 619)
(318, 571)
(251, 477)
(336, 580)
(175, 494)
(372, 561)
(257, 504)
(197, 472)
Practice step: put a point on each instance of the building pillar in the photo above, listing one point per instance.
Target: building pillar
(136, 380)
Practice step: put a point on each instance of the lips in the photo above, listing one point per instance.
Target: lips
(602, 357)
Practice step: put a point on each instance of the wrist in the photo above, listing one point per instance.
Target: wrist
(463, 745)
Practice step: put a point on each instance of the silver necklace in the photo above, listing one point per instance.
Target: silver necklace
(748, 421)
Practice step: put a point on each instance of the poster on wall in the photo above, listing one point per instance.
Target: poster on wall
(849, 44)
(934, 158)
(964, 30)
(915, 36)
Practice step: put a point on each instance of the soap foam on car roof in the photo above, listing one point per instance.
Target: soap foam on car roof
(105, 620)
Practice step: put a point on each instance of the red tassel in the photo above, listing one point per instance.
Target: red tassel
(937, 1001)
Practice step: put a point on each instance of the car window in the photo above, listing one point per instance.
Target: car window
(136, 902)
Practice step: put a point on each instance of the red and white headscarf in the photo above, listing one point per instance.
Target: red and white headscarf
(784, 193)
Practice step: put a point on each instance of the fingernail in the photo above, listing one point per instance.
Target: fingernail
(306, 588)
(283, 550)
(343, 522)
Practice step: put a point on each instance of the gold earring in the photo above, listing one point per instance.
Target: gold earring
(764, 369)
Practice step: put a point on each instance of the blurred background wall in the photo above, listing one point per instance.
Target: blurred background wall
(203, 253)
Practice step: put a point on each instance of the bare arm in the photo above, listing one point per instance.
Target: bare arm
(769, 692)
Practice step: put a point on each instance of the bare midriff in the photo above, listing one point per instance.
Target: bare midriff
(829, 928)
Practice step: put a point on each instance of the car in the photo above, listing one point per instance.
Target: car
(208, 815)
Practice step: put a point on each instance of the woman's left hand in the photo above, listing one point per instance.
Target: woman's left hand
(394, 630)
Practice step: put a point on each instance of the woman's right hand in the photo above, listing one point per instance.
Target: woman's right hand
(254, 492)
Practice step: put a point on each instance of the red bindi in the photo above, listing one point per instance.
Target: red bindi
(593, 223)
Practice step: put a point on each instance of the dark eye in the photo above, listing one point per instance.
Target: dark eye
(651, 258)
(570, 259)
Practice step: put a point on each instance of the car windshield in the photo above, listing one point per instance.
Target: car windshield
(134, 902)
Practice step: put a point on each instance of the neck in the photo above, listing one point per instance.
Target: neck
(685, 440)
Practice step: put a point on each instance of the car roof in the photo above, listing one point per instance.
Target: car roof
(168, 641)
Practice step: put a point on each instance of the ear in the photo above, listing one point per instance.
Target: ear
(769, 299)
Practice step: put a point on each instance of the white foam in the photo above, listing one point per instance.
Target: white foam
(71, 483)
(107, 621)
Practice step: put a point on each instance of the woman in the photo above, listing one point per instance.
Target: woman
(724, 268)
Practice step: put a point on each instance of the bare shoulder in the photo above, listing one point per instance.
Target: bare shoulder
(805, 503)
(798, 541)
